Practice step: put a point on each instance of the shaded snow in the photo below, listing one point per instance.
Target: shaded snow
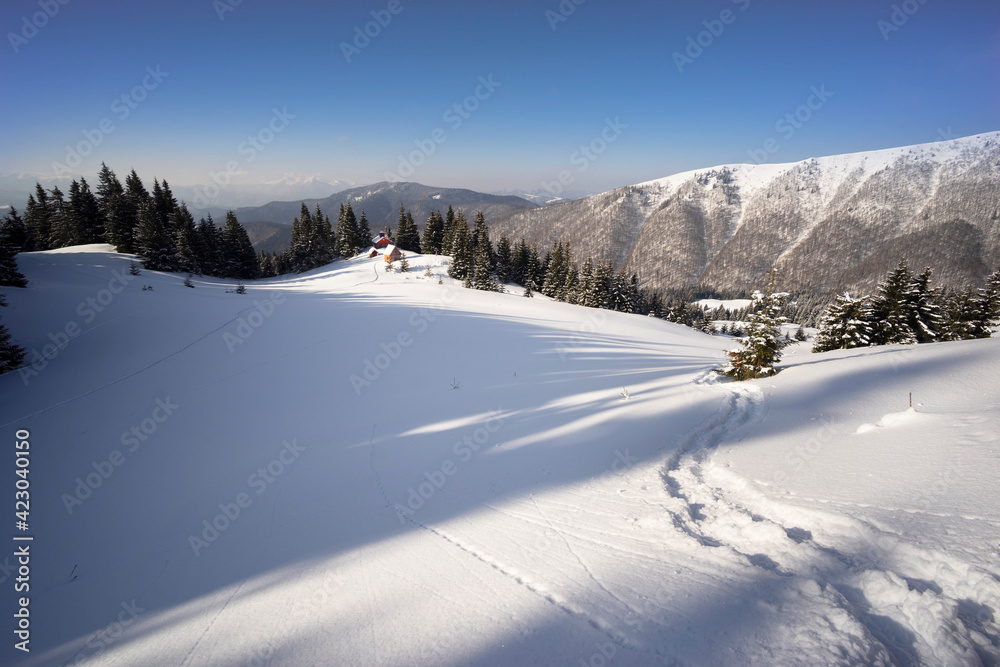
(489, 497)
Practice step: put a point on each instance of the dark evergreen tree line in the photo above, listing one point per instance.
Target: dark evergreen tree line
(150, 224)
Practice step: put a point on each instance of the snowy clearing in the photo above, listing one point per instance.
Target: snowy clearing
(360, 467)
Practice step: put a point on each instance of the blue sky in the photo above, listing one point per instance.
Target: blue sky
(277, 71)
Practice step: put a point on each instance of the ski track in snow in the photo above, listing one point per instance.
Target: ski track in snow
(894, 589)
(509, 572)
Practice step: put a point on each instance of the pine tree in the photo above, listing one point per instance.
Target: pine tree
(522, 257)
(586, 296)
(890, 314)
(407, 234)
(60, 223)
(990, 300)
(239, 256)
(266, 264)
(556, 271)
(965, 317)
(119, 220)
(482, 259)
(11, 237)
(185, 240)
(461, 251)
(208, 247)
(571, 290)
(135, 196)
(433, 234)
(924, 314)
(86, 218)
(448, 232)
(153, 243)
(404, 263)
(303, 238)
(163, 204)
(13, 231)
(324, 241)
(37, 222)
(505, 260)
(348, 234)
(845, 325)
(761, 349)
(11, 354)
(364, 232)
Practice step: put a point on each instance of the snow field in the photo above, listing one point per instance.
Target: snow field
(396, 471)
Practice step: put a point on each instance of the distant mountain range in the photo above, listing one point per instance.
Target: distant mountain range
(832, 222)
(269, 226)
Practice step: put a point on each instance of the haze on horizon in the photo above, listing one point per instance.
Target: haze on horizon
(483, 97)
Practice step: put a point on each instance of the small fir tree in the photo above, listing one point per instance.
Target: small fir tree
(761, 349)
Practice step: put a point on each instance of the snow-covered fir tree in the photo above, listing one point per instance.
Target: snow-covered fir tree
(460, 267)
(482, 257)
(761, 349)
(845, 325)
(923, 309)
(965, 316)
(890, 312)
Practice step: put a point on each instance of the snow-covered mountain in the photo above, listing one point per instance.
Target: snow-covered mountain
(835, 222)
(356, 467)
(543, 197)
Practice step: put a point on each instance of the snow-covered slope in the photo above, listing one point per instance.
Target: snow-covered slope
(835, 222)
(358, 467)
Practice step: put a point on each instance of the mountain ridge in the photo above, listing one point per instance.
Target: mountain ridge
(835, 222)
